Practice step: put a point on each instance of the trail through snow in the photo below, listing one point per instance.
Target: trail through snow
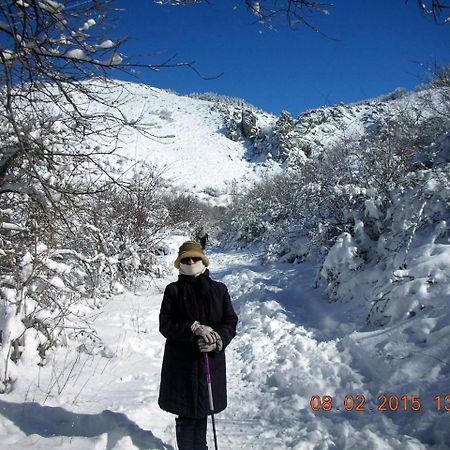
(291, 344)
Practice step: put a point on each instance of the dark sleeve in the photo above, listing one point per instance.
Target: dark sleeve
(170, 326)
(227, 328)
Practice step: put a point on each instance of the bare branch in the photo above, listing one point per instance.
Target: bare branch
(435, 8)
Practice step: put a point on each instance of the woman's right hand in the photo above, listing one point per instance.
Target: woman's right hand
(205, 332)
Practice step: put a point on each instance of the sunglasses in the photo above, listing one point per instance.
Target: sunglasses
(193, 258)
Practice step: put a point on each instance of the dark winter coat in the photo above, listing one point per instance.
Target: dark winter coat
(183, 388)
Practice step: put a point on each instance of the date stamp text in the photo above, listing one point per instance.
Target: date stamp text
(385, 402)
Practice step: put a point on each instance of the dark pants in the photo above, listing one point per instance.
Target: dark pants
(191, 433)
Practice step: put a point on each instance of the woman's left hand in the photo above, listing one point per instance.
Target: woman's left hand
(206, 348)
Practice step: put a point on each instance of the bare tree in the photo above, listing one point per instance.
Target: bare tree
(60, 123)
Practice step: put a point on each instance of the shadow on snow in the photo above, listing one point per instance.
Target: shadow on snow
(47, 421)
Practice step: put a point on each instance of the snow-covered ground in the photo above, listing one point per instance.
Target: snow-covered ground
(292, 344)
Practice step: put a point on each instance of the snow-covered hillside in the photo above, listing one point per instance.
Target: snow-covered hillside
(205, 144)
(342, 125)
(185, 138)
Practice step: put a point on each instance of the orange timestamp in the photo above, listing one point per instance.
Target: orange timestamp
(384, 402)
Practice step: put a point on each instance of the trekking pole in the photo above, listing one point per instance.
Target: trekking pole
(211, 402)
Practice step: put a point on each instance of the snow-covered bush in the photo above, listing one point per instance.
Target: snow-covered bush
(415, 248)
(127, 222)
(69, 239)
(342, 259)
(186, 212)
(406, 268)
(319, 201)
(225, 100)
(72, 229)
(257, 210)
(45, 303)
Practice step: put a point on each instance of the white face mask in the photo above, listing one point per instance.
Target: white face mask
(192, 269)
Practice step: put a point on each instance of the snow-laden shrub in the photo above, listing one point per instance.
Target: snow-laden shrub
(186, 213)
(257, 211)
(127, 223)
(406, 267)
(71, 235)
(224, 100)
(414, 250)
(44, 303)
(317, 202)
(340, 265)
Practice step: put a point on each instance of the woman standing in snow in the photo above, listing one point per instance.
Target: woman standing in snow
(196, 317)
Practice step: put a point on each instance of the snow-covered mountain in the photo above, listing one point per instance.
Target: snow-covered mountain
(186, 138)
(207, 143)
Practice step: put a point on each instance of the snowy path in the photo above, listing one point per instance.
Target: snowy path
(281, 358)
(291, 344)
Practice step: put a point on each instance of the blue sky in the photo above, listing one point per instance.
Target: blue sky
(374, 46)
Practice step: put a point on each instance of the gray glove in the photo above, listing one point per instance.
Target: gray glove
(206, 348)
(203, 331)
(218, 340)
